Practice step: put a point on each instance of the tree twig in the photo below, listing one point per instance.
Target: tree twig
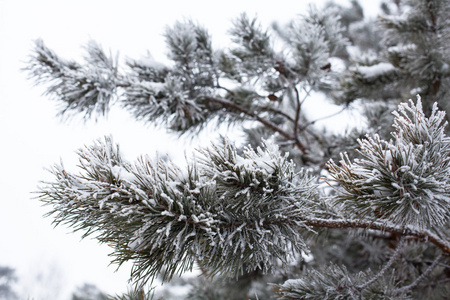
(392, 259)
(276, 111)
(228, 104)
(388, 227)
(297, 111)
(421, 277)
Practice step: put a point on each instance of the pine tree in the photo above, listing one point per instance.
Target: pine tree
(258, 221)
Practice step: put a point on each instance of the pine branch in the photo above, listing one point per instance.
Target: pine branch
(230, 214)
(179, 97)
(332, 282)
(391, 261)
(82, 89)
(268, 124)
(405, 180)
(223, 215)
(421, 277)
(276, 112)
(407, 231)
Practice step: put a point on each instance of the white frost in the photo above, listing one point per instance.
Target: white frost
(375, 70)
(121, 173)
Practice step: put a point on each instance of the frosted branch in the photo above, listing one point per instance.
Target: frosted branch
(391, 261)
(267, 123)
(421, 277)
(407, 231)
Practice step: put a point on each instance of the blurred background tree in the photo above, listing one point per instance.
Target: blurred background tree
(7, 279)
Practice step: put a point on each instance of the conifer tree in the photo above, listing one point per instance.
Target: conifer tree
(258, 220)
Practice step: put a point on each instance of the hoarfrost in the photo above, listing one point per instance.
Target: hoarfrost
(167, 213)
(122, 173)
(375, 70)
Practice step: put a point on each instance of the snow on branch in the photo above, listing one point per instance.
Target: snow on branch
(82, 88)
(405, 180)
(229, 213)
(377, 70)
(233, 214)
(165, 103)
(312, 39)
(334, 282)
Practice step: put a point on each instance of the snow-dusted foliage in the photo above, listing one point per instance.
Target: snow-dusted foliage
(173, 96)
(81, 88)
(315, 36)
(246, 82)
(227, 212)
(310, 40)
(335, 282)
(166, 102)
(415, 57)
(404, 180)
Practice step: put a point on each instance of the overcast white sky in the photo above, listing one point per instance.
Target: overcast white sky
(33, 138)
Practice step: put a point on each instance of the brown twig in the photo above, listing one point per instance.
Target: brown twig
(228, 104)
